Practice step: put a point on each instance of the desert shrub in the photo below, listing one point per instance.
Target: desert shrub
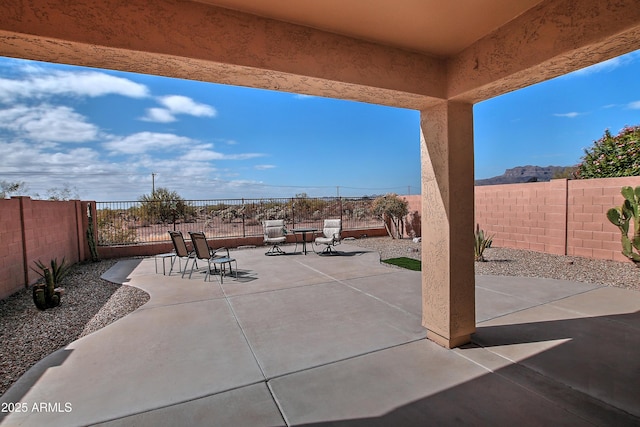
(393, 208)
(163, 206)
(613, 156)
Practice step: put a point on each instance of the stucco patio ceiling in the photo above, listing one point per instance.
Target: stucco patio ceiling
(403, 53)
(434, 27)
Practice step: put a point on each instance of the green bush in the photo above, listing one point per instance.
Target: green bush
(613, 156)
(164, 206)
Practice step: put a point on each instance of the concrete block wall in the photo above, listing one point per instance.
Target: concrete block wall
(12, 275)
(33, 230)
(589, 232)
(564, 217)
(524, 216)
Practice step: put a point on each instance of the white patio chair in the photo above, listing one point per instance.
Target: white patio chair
(275, 234)
(331, 236)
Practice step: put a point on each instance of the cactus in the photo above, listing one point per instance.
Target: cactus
(91, 239)
(621, 217)
(39, 298)
(480, 243)
(48, 295)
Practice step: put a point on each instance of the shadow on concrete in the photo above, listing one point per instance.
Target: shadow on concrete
(121, 272)
(15, 394)
(586, 373)
(339, 253)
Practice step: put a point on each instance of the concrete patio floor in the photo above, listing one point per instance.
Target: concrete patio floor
(311, 340)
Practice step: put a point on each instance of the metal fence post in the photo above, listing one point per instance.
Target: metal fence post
(244, 231)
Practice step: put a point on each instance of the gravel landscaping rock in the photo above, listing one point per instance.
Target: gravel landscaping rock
(88, 304)
(516, 262)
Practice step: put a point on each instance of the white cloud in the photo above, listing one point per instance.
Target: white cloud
(159, 115)
(143, 142)
(183, 105)
(263, 167)
(82, 83)
(43, 159)
(48, 123)
(205, 153)
(570, 115)
(243, 156)
(635, 105)
(177, 104)
(44, 166)
(201, 153)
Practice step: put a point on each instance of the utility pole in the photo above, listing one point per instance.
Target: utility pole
(153, 183)
(338, 191)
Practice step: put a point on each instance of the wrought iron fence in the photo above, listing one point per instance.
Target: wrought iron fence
(121, 223)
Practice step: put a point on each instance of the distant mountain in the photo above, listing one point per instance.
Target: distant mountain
(523, 174)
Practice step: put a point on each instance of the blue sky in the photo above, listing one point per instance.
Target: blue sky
(103, 133)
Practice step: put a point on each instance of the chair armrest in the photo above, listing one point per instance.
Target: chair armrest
(213, 252)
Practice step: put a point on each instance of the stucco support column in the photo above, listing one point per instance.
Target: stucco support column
(448, 278)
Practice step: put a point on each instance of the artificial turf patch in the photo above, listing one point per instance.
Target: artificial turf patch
(404, 262)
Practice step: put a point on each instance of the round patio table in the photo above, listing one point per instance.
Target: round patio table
(304, 232)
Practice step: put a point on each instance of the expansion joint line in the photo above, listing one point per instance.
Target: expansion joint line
(253, 353)
(343, 283)
(244, 334)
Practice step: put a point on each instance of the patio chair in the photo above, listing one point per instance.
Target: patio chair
(331, 232)
(275, 234)
(181, 251)
(205, 253)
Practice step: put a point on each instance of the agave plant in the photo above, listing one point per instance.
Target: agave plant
(480, 243)
(48, 295)
(58, 271)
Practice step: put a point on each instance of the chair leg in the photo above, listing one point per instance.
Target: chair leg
(208, 273)
(275, 250)
(186, 265)
(329, 250)
(193, 264)
(173, 261)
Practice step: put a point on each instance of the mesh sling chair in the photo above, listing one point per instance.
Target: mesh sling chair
(205, 253)
(275, 234)
(331, 231)
(181, 251)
